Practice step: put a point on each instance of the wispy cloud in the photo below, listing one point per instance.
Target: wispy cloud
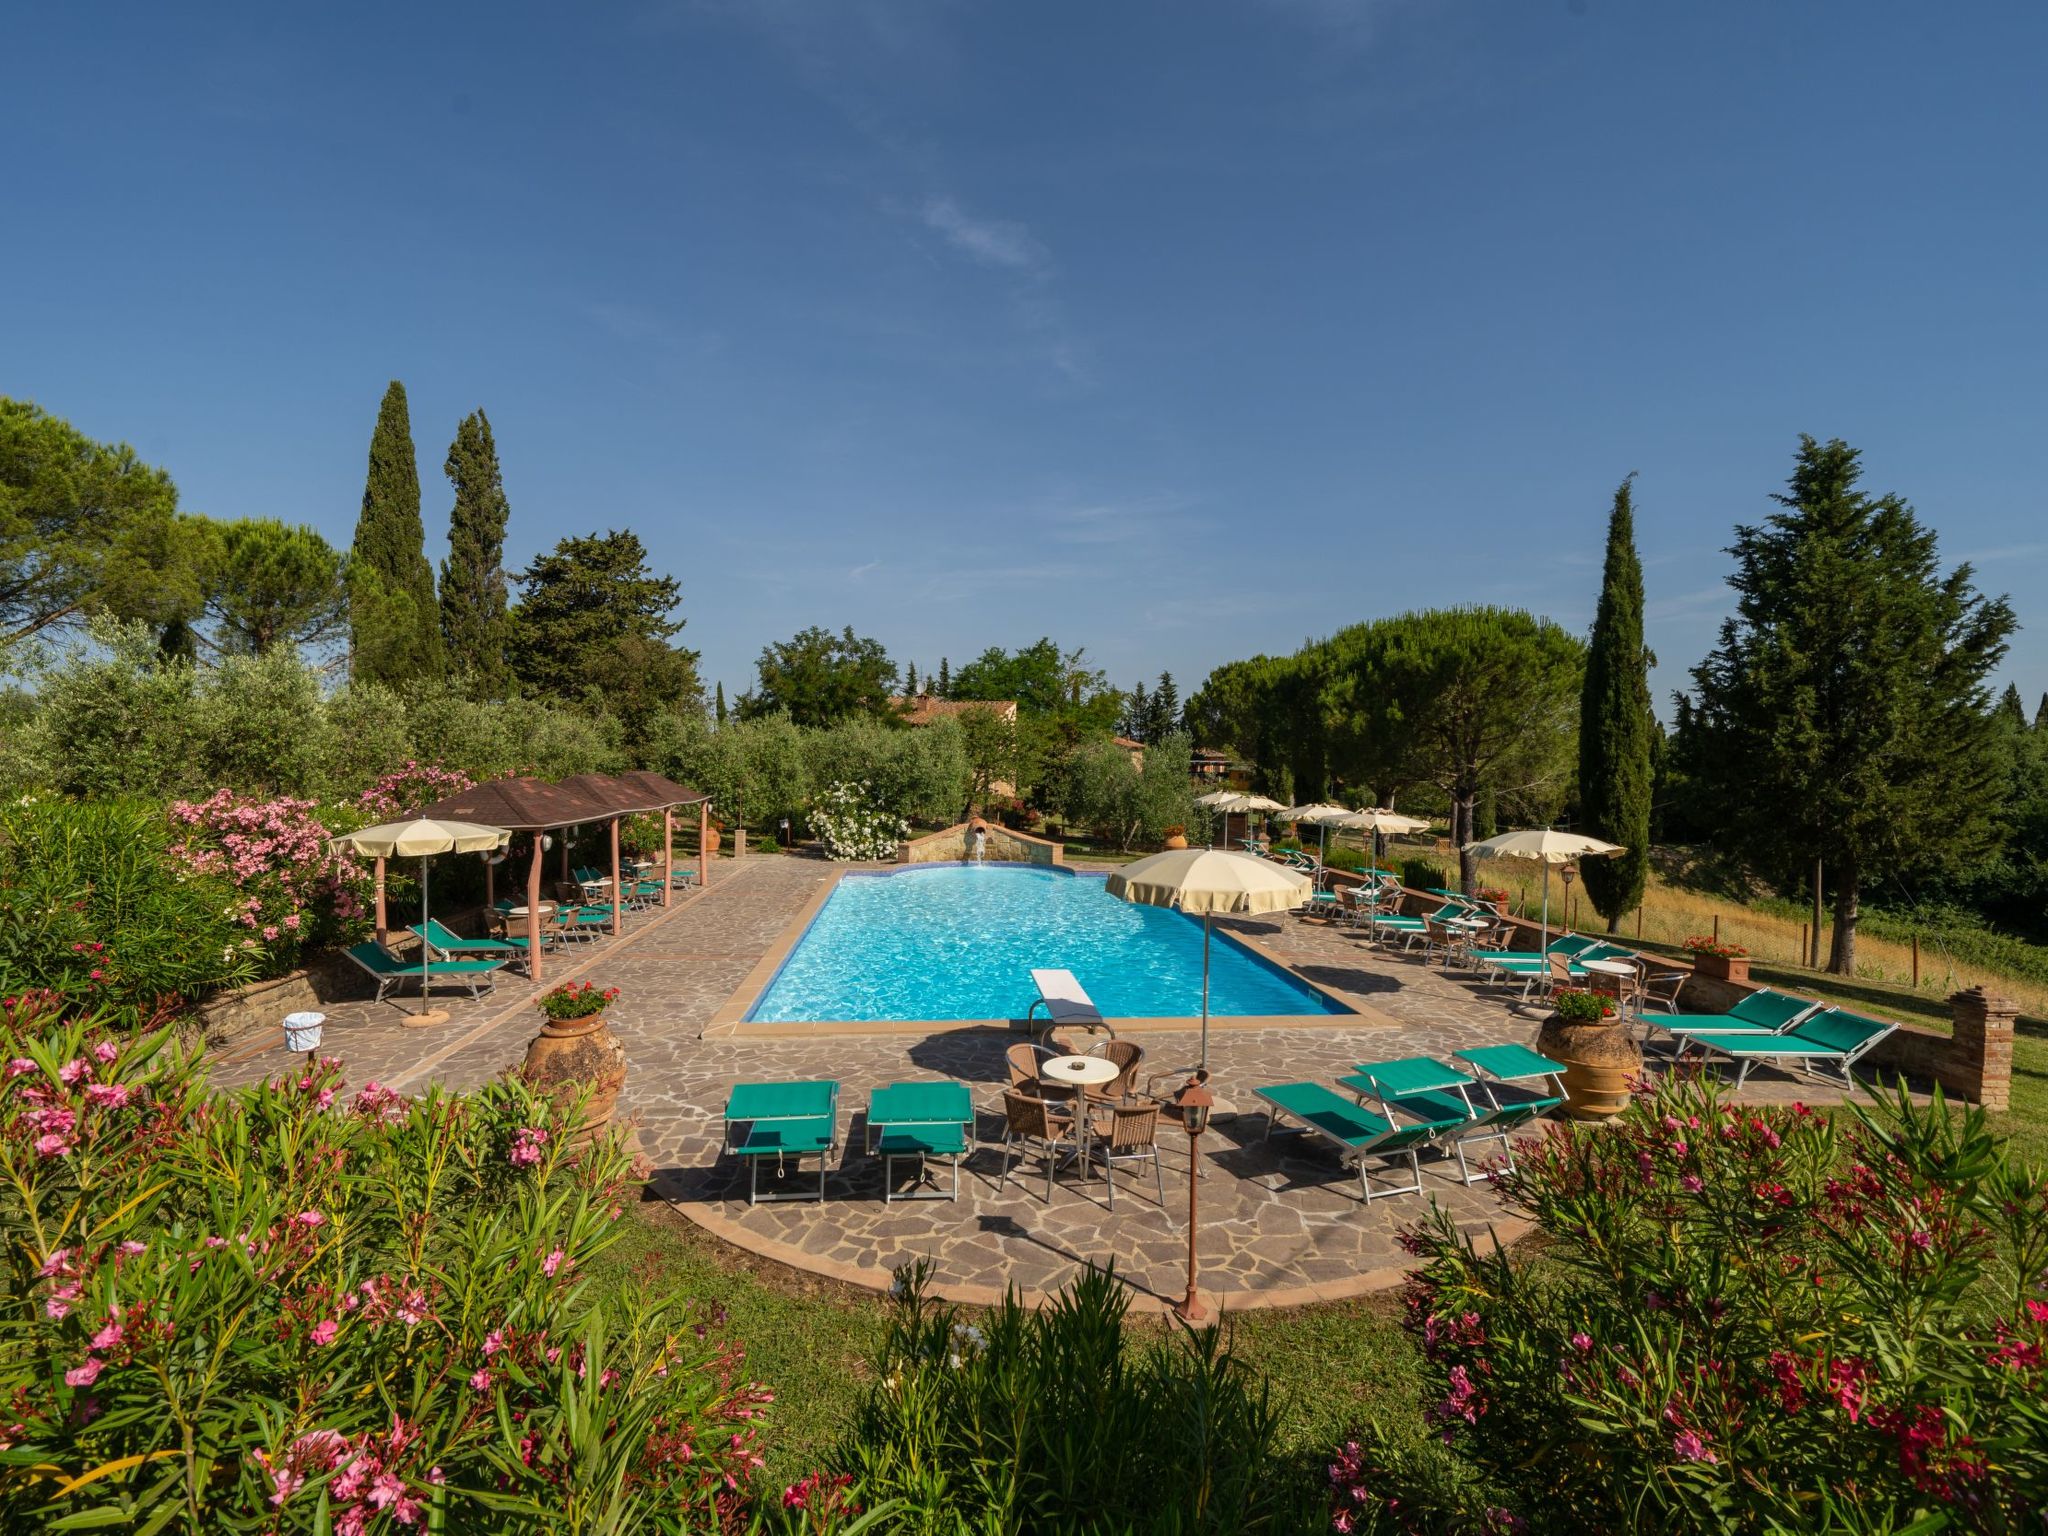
(1113, 522)
(2023, 551)
(860, 571)
(998, 242)
(1682, 604)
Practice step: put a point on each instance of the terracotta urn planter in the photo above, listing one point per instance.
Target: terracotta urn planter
(1178, 840)
(1721, 967)
(570, 1056)
(1599, 1061)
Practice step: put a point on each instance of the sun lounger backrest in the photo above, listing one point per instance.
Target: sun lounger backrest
(1834, 1030)
(1771, 1010)
(372, 956)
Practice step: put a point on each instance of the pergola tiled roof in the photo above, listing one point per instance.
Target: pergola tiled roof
(536, 806)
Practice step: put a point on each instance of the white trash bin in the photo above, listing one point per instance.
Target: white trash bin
(302, 1031)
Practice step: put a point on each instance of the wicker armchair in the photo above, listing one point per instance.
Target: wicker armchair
(1023, 1059)
(1127, 1054)
(1127, 1133)
(1032, 1124)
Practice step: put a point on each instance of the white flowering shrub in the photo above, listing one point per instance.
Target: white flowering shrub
(852, 826)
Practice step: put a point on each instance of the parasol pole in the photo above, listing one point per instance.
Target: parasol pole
(1205, 988)
(426, 863)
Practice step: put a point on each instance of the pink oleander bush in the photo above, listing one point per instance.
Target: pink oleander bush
(292, 886)
(406, 789)
(1736, 1318)
(297, 1307)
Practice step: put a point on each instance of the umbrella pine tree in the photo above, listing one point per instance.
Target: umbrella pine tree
(1615, 725)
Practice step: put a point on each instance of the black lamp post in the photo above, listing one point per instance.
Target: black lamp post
(1194, 1102)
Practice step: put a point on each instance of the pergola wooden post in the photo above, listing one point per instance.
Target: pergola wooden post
(380, 899)
(533, 910)
(618, 891)
(490, 885)
(668, 852)
(704, 844)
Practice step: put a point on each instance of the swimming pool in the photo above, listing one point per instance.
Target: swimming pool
(961, 941)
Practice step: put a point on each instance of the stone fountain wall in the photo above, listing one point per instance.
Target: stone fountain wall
(956, 845)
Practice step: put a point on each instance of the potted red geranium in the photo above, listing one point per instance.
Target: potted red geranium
(575, 1055)
(1719, 961)
(1494, 896)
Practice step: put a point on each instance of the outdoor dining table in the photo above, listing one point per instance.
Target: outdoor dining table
(1080, 1073)
(919, 1120)
(1622, 971)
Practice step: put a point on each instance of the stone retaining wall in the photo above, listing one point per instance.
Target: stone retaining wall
(955, 844)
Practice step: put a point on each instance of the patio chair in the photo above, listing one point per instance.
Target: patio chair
(390, 971)
(1354, 1132)
(920, 1120)
(1023, 1060)
(1034, 1125)
(1127, 1054)
(1832, 1037)
(1126, 1133)
(785, 1121)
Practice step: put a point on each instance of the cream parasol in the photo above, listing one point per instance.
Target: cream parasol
(422, 838)
(1208, 881)
(1548, 845)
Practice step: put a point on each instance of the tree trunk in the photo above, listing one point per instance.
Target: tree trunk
(1461, 834)
(1842, 954)
(1614, 923)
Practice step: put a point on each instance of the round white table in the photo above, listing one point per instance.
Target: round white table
(1080, 1073)
(1623, 968)
(544, 909)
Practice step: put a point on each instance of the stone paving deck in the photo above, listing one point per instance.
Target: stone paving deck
(1281, 1224)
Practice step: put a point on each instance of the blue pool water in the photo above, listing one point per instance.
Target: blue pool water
(960, 942)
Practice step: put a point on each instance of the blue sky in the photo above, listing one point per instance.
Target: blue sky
(1181, 330)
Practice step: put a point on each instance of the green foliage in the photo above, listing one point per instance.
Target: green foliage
(269, 585)
(1844, 715)
(257, 724)
(1424, 875)
(394, 618)
(476, 626)
(94, 907)
(1041, 679)
(86, 528)
(1616, 725)
(852, 825)
(593, 628)
(1126, 804)
(1058, 1420)
(260, 1311)
(753, 770)
(1468, 699)
(113, 718)
(919, 775)
(1741, 1318)
(819, 678)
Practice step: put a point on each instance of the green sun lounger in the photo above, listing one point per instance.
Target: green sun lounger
(446, 941)
(1508, 1071)
(1572, 946)
(1356, 1133)
(785, 1121)
(920, 1120)
(1764, 1010)
(1833, 1038)
(390, 971)
(1431, 1091)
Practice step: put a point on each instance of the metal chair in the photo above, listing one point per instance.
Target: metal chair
(1033, 1124)
(1127, 1133)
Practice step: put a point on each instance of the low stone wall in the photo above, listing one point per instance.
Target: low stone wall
(227, 1017)
(1002, 845)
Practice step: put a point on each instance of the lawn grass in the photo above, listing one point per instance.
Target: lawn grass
(810, 1339)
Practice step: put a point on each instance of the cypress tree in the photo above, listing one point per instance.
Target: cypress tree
(946, 680)
(1616, 726)
(394, 620)
(2041, 714)
(1163, 713)
(910, 681)
(721, 703)
(474, 620)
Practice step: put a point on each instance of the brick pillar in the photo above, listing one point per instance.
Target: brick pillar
(1981, 1056)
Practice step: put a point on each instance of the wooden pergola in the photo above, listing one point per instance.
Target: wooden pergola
(538, 807)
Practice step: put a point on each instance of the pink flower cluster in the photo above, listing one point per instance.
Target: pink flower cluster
(369, 1478)
(527, 1147)
(279, 856)
(405, 790)
(56, 1116)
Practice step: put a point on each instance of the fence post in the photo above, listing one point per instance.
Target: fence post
(1639, 924)
(1717, 927)
(1916, 962)
(1805, 950)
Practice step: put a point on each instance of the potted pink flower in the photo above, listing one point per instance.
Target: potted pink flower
(1716, 960)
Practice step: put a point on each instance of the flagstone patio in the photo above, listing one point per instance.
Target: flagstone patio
(1280, 1223)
